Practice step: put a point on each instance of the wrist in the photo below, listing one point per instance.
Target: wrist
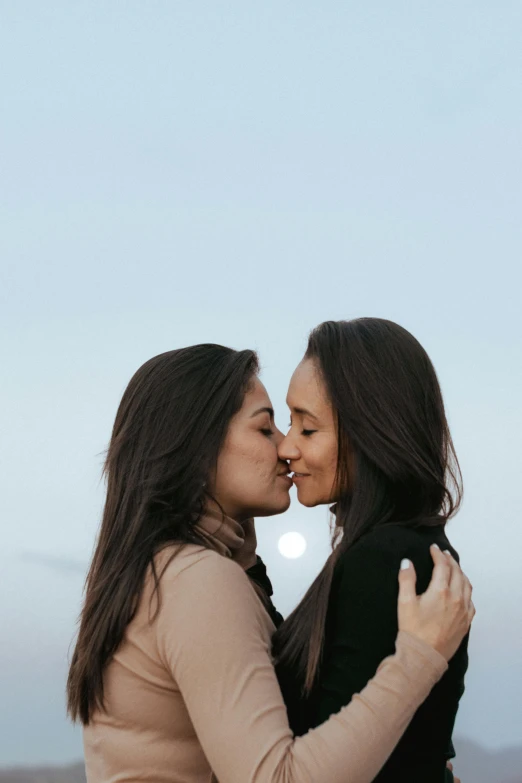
(408, 640)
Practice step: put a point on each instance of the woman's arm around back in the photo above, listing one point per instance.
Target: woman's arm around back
(214, 636)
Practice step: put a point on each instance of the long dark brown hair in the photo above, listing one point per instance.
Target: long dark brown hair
(396, 460)
(169, 429)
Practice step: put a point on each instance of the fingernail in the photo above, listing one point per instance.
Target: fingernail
(436, 546)
(405, 564)
(447, 552)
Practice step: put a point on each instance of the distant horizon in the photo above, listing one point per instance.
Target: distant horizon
(79, 760)
(473, 762)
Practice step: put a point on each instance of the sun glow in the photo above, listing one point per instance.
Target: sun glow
(292, 545)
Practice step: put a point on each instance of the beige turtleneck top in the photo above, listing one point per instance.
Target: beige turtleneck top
(193, 691)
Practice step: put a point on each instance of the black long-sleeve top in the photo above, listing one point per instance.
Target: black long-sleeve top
(361, 629)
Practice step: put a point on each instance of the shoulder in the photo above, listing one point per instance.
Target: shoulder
(396, 540)
(196, 563)
(195, 582)
(205, 598)
(381, 550)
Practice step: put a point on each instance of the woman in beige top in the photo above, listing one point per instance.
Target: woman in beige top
(172, 675)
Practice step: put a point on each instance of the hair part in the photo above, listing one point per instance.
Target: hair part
(169, 429)
(396, 459)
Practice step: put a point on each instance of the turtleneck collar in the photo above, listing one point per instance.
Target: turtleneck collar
(220, 532)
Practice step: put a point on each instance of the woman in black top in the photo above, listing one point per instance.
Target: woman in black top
(369, 433)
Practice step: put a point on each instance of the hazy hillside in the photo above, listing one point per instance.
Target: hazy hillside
(474, 764)
(74, 774)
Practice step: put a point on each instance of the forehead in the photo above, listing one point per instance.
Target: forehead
(306, 389)
(255, 398)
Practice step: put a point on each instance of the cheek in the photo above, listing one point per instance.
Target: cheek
(266, 459)
(321, 457)
(254, 459)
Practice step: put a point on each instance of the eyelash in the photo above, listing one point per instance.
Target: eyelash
(268, 433)
(306, 433)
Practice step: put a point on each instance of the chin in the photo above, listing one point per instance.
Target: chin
(309, 501)
(306, 500)
(275, 508)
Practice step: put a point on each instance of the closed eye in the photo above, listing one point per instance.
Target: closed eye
(307, 433)
(268, 433)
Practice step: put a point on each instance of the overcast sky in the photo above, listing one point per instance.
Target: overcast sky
(237, 172)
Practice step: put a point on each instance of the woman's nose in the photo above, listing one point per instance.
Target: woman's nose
(287, 450)
(279, 437)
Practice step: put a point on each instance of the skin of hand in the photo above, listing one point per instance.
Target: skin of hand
(442, 615)
(246, 556)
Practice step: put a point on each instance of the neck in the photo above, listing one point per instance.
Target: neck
(237, 515)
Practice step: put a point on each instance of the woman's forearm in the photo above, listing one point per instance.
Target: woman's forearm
(222, 665)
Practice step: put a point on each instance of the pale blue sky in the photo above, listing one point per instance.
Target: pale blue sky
(180, 172)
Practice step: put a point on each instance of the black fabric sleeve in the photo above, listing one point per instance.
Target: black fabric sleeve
(257, 573)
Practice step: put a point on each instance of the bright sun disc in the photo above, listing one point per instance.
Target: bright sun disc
(292, 545)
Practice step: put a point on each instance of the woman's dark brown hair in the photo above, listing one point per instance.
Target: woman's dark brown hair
(168, 432)
(396, 460)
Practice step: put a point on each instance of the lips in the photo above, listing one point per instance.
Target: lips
(298, 477)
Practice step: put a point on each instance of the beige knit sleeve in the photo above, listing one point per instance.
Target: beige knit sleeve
(212, 634)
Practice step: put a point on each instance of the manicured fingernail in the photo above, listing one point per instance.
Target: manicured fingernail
(405, 564)
(447, 552)
(436, 546)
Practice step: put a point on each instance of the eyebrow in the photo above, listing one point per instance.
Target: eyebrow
(270, 412)
(304, 412)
